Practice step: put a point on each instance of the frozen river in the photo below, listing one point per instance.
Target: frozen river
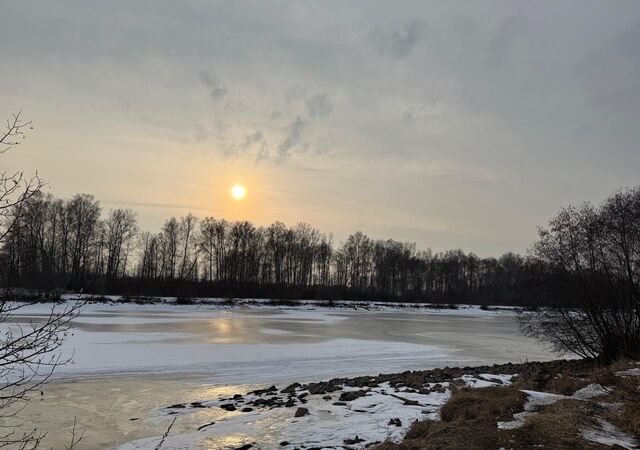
(130, 361)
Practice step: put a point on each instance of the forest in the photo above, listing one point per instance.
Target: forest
(69, 244)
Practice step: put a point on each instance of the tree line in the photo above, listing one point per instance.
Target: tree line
(73, 244)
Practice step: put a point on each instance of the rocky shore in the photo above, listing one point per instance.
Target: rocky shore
(407, 396)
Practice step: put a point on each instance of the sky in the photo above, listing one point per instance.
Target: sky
(449, 124)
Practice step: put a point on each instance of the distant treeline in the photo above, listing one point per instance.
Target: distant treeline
(68, 244)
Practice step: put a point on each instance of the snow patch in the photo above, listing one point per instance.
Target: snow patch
(589, 392)
(608, 434)
(487, 380)
(635, 372)
(537, 399)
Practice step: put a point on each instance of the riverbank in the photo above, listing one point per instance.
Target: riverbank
(252, 302)
(448, 408)
(554, 406)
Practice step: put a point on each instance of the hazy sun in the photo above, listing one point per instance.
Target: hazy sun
(238, 192)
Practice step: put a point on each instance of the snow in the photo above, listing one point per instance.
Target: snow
(371, 418)
(589, 392)
(487, 380)
(537, 399)
(534, 401)
(432, 308)
(608, 434)
(221, 345)
(260, 343)
(634, 372)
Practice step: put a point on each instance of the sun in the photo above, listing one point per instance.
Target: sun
(238, 192)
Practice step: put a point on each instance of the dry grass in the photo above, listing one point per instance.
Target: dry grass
(555, 427)
(457, 435)
(471, 404)
(629, 418)
(468, 421)
(624, 391)
(565, 383)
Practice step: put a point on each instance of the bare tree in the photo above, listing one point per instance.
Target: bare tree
(594, 255)
(15, 187)
(119, 229)
(29, 351)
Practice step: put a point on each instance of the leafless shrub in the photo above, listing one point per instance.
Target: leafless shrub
(595, 253)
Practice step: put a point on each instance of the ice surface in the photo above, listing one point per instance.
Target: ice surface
(211, 346)
(259, 343)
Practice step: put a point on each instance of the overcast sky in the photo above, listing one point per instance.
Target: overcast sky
(451, 124)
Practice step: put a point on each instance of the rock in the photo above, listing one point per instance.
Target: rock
(247, 409)
(318, 388)
(176, 406)
(270, 391)
(237, 396)
(300, 412)
(291, 388)
(339, 403)
(326, 397)
(352, 395)
(284, 444)
(197, 405)
(228, 407)
(355, 440)
(408, 402)
(245, 447)
(290, 403)
(395, 422)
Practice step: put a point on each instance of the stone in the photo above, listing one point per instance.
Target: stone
(352, 395)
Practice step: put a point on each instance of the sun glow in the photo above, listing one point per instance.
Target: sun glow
(238, 192)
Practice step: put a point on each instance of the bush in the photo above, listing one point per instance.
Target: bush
(594, 299)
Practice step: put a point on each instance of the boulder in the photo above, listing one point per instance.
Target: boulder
(228, 407)
(291, 388)
(395, 422)
(352, 395)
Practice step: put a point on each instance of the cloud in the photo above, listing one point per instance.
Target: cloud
(292, 136)
(156, 205)
(253, 138)
(500, 44)
(295, 93)
(319, 105)
(612, 72)
(250, 141)
(217, 90)
(399, 44)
